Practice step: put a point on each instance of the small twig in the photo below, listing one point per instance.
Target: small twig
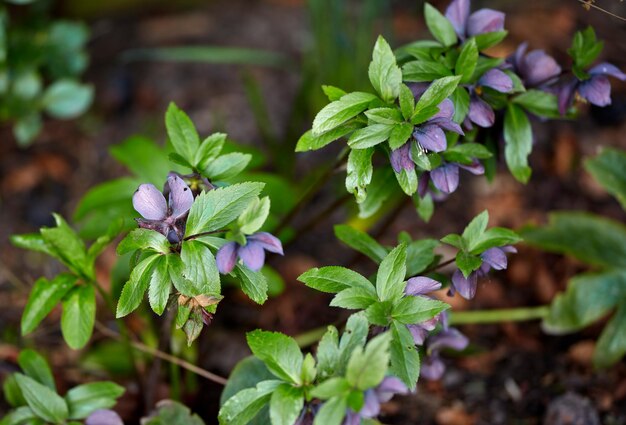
(587, 4)
(167, 357)
(438, 266)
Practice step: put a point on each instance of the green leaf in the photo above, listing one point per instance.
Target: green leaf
(309, 371)
(354, 298)
(379, 313)
(361, 242)
(419, 255)
(253, 217)
(36, 367)
(215, 209)
(87, 398)
(338, 112)
(467, 263)
(135, 287)
(539, 102)
(384, 73)
(181, 132)
(369, 136)
(354, 335)
(466, 152)
(311, 142)
(64, 241)
(466, 63)
(209, 149)
(20, 416)
(79, 315)
(609, 169)
(407, 101)
(367, 368)
(420, 71)
(27, 128)
(200, 268)
(144, 158)
(333, 279)
(461, 100)
(454, 240)
(405, 360)
(380, 190)
(333, 93)
(246, 374)
(436, 93)
(400, 134)
(279, 352)
(160, 285)
(439, 26)
(411, 310)
(144, 239)
(46, 404)
(67, 99)
(589, 238)
(611, 345)
(328, 353)
(585, 47)
(33, 242)
(42, 299)
(170, 412)
(489, 39)
(332, 387)
(227, 166)
(519, 142)
(253, 284)
(12, 393)
(407, 179)
(384, 115)
(241, 408)
(286, 404)
(391, 274)
(474, 230)
(359, 172)
(332, 412)
(496, 236)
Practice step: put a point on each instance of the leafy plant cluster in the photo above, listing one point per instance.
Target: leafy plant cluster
(41, 61)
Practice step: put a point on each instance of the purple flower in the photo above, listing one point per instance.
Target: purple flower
(104, 417)
(480, 112)
(493, 258)
(432, 367)
(480, 22)
(595, 90)
(418, 287)
(252, 254)
(164, 217)
(374, 397)
(446, 177)
(535, 68)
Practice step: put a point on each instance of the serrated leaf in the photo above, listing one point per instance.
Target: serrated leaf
(354, 299)
(333, 279)
(87, 398)
(439, 26)
(182, 132)
(279, 352)
(44, 296)
(311, 142)
(42, 400)
(36, 367)
(144, 239)
(519, 142)
(227, 166)
(200, 268)
(135, 287)
(79, 315)
(369, 136)
(411, 310)
(286, 404)
(405, 360)
(253, 284)
(241, 408)
(609, 169)
(391, 274)
(384, 73)
(160, 285)
(367, 367)
(466, 63)
(359, 172)
(361, 242)
(338, 112)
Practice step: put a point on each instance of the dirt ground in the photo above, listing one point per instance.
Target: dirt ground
(517, 374)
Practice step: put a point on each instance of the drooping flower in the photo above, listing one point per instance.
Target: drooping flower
(165, 217)
(104, 417)
(493, 258)
(468, 25)
(596, 89)
(480, 112)
(252, 254)
(433, 367)
(535, 68)
(374, 397)
(446, 177)
(418, 287)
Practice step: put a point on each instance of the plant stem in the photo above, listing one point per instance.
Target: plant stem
(152, 380)
(519, 314)
(199, 235)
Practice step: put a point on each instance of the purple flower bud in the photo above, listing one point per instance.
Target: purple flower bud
(466, 287)
(566, 94)
(480, 113)
(596, 90)
(150, 202)
(401, 158)
(421, 285)
(538, 68)
(446, 177)
(104, 417)
(432, 368)
(389, 387)
(419, 333)
(497, 80)
(226, 257)
(484, 21)
(495, 257)
(446, 110)
(457, 13)
(449, 338)
(605, 68)
(476, 168)
(431, 137)
(252, 255)
(268, 241)
(447, 124)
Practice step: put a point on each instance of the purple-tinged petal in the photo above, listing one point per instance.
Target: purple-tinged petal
(509, 248)
(104, 417)
(389, 387)
(457, 13)
(448, 124)
(450, 338)
(421, 285)
(480, 113)
(422, 184)
(475, 167)
(446, 110)
(596, 90)
(483, 21)
(566, 95)
(180, 197)
(252, 255)
(150, 202)
(156, 225)
(226, 257)
(539, 68)
(352, 418)
(268, 241)
(497, 80)
(401, 158)
(431, 137)
(495, 257)
(517, 59)
(466, 287)
(431, 323)
(418, 333)
(446, 177)
(371, 405)
(418, 89)
(432, 368)
(605, 68)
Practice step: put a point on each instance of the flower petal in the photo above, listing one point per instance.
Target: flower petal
(475, 167)
(371, 407)
(226, 257)
(457, 13)
(180, 198)
(418, 332)
(421, 285)
(448, 124)
(150, 202)
(104, 417)
(432, 368)
(480, 113)
(605, 68)
(539, 68)
(401, 158)
(446, 177)
(596, 90)
(422, 183)
(449, 338)
(485, 20)
(431, 137)
(566, 95)
(268, 241)
(252, 255)
(497, 80)
(389, 387)
(495, 257)
(446, 110)
(466, 287)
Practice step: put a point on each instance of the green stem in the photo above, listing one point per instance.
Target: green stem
(519, 314)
